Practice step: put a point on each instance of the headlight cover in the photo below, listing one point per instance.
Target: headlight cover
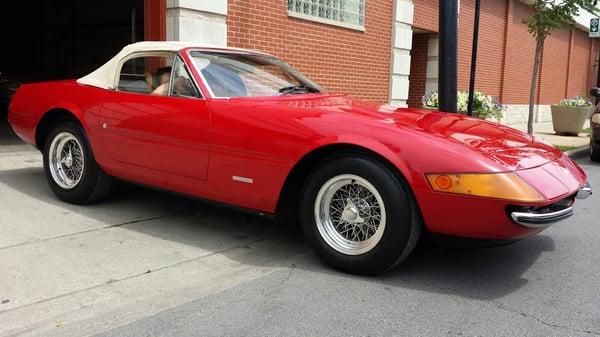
(507, 186)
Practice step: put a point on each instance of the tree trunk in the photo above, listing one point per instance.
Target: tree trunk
(539, 42)
(534, 79)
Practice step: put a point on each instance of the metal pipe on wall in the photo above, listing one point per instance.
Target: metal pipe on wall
(448, 19)
(474, 56)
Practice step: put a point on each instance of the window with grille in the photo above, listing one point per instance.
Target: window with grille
(345, 13)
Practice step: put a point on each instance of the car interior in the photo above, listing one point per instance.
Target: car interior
(153, 75)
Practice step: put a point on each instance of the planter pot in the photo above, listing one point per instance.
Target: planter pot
(569, 120)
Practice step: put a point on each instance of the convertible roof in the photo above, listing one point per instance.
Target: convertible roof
(104, 76)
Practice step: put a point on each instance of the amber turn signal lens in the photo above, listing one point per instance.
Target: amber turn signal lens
(443, 182)
(507, 186)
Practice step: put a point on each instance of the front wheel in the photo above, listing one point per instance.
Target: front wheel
(70, 167)
(359, 215)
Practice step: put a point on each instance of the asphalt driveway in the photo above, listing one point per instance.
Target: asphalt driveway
(148, 263)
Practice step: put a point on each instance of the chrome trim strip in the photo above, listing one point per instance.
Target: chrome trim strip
(584, 192)
(538, 220)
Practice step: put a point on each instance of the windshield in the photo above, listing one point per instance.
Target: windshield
(247, 75)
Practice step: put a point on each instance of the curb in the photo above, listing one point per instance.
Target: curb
(579, 152)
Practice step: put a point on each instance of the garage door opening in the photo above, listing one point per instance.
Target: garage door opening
(50, 40)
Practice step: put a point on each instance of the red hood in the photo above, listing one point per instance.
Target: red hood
(508, 148)
(503, 147)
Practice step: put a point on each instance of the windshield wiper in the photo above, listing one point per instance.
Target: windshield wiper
(299, 87)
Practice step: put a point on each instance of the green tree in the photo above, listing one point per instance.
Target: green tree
(549, 15)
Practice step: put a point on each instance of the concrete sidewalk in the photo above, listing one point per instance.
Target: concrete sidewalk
(544, 131)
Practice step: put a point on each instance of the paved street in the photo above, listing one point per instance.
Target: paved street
(148, 263)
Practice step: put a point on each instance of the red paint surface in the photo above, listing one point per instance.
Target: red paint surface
(195, 146)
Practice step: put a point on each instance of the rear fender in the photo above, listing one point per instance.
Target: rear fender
(69, 107)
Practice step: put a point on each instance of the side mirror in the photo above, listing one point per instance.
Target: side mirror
(595, 92)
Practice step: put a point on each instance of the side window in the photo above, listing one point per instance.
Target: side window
(146, 75)
(183, 86)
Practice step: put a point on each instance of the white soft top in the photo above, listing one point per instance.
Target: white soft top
(104, 77)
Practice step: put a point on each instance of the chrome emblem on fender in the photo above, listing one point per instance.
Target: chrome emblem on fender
(243, 179)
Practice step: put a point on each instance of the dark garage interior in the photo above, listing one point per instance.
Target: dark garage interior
(67, 38)
(61, 39)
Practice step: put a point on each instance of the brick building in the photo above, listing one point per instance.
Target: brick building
(380, 50)
(505, 54)
(387, 51)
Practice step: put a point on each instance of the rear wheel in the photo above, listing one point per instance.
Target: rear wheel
(358, 215)
(70, 167)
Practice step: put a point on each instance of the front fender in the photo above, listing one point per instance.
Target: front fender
(363, 142)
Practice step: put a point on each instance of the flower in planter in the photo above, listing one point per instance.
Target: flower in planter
(430, 100)
(484, 106)
(569, 115)
(579, 101)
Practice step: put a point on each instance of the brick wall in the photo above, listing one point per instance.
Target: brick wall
(579, 79)
(506, 51)
(520, 49)
(340, 59)
(426, 15)
(555, 60)
(490, 45)
(418, 70)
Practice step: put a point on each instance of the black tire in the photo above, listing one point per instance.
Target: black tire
(403, 226)
(594, 152)
(93, 185)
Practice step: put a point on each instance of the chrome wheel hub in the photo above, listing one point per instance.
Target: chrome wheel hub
(66, 160)
(350, 214)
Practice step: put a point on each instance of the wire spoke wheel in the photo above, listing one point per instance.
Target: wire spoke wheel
(66, 160)
(350, 214)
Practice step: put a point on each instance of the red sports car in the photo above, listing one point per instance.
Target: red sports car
(244, 128)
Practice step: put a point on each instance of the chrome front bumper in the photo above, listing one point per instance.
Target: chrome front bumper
(584, 192)
(536, 220)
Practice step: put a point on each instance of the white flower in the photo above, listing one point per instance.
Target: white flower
(578, 101)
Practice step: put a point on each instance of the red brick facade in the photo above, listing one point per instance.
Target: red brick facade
(418, 69)
(580, 79)
(425, 15)
(340, 59)
(490, 45)
(358, 62)
(506, 51)
(518, 55)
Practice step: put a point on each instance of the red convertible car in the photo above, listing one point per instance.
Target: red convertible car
(243, 128)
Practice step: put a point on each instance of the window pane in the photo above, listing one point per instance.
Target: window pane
(232, 75)
(146, 75)
(182, 81)
(351, 12)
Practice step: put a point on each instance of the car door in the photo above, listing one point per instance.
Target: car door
(157, 124)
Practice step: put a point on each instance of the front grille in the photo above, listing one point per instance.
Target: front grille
(557, 206)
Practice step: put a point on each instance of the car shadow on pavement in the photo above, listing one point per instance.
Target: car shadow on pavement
(477, 273)
(484, 274)
(7, 136)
